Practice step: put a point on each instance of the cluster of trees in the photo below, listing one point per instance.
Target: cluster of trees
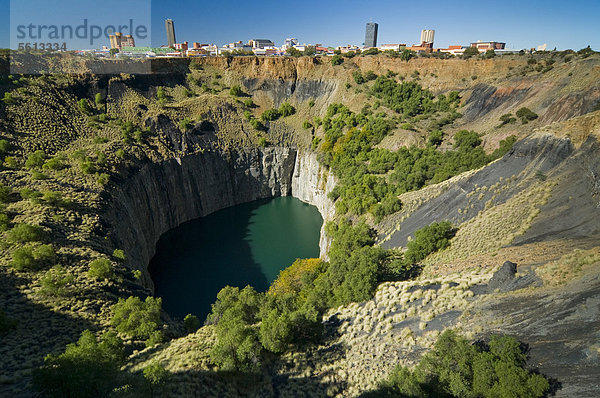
(361, 78)
(33, 257)
(285, 109)
(526, 115)
(308, 51)
(251, 325)
(410, 99)
(138, 319)
(457, 368)
(131, 132)
(370, 179)
(92, 368)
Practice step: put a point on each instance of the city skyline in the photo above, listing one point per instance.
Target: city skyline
(336, 23)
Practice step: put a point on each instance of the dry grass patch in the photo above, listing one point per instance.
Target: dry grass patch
(568, 267)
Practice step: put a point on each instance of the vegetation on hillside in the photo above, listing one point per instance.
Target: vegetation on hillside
(54, 184)
(370, 179)
(457, 368)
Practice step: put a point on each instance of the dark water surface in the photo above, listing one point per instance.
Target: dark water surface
(242, 245)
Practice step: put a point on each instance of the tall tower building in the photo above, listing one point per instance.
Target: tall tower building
(427, 36)
(170, 26)
(371, 35)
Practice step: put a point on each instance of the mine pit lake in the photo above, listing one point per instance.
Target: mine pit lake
(242, 245)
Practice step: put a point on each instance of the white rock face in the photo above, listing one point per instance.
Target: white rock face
(311, 183)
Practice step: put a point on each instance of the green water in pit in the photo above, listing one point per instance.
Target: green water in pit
(242, 245)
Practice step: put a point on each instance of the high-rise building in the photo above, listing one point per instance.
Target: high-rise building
(427, 36)
(170, 26)
(371, 35)
(119, 41)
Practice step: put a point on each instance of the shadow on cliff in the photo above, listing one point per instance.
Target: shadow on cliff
(202, 383)
(187, 270)
(35, 330)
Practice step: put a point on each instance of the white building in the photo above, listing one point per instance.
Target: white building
(394, 47)
(288, 43)
(427, 36)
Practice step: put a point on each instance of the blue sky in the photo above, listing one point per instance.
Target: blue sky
(521, 24)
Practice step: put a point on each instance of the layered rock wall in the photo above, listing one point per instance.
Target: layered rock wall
(161, 196)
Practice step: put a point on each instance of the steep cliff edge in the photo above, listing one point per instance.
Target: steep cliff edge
(161, 196)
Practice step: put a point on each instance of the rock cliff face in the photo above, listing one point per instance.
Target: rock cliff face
(161, 196)
(311, 183)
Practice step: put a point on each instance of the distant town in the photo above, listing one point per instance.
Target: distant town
(123, 46)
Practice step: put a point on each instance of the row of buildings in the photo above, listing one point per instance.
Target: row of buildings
(124, 45)
(426, 43)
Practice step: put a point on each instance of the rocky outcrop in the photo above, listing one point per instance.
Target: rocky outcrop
(161, 196)
(503, 277)
(311, 183)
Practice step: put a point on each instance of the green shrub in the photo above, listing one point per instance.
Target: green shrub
(5, 193)
(12, 162)
(248, 103)
(306, 125)
(466, 139)
(270, 115)
(358, 77)
(84, 106)
(262, 142)
(337, 60)
(235, 313)
(22, 233)
(119, 254)
(55, 281)
(5, 147)
(32, 258)
(32, 195)
(161, 95)
(435, 137)
(136, 318)
(98, 99)
(4, 222)
(156, 337)
(88, 166)
(101, 269)
(100, 140)
(504, 146)
(35, 160)
(156, 376)
(186, 124)
(311, 103)
(55, 199)
(9, 99)
(456, 368)
(526, 115)
(286, 109)
(191, 323)
(88, 368)
(102, 178)
(257, 125)
(36, 175)
(407, 55)
(55, 163)
(429, 240)
(236, 91)
(507, 119)
(470, 51)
